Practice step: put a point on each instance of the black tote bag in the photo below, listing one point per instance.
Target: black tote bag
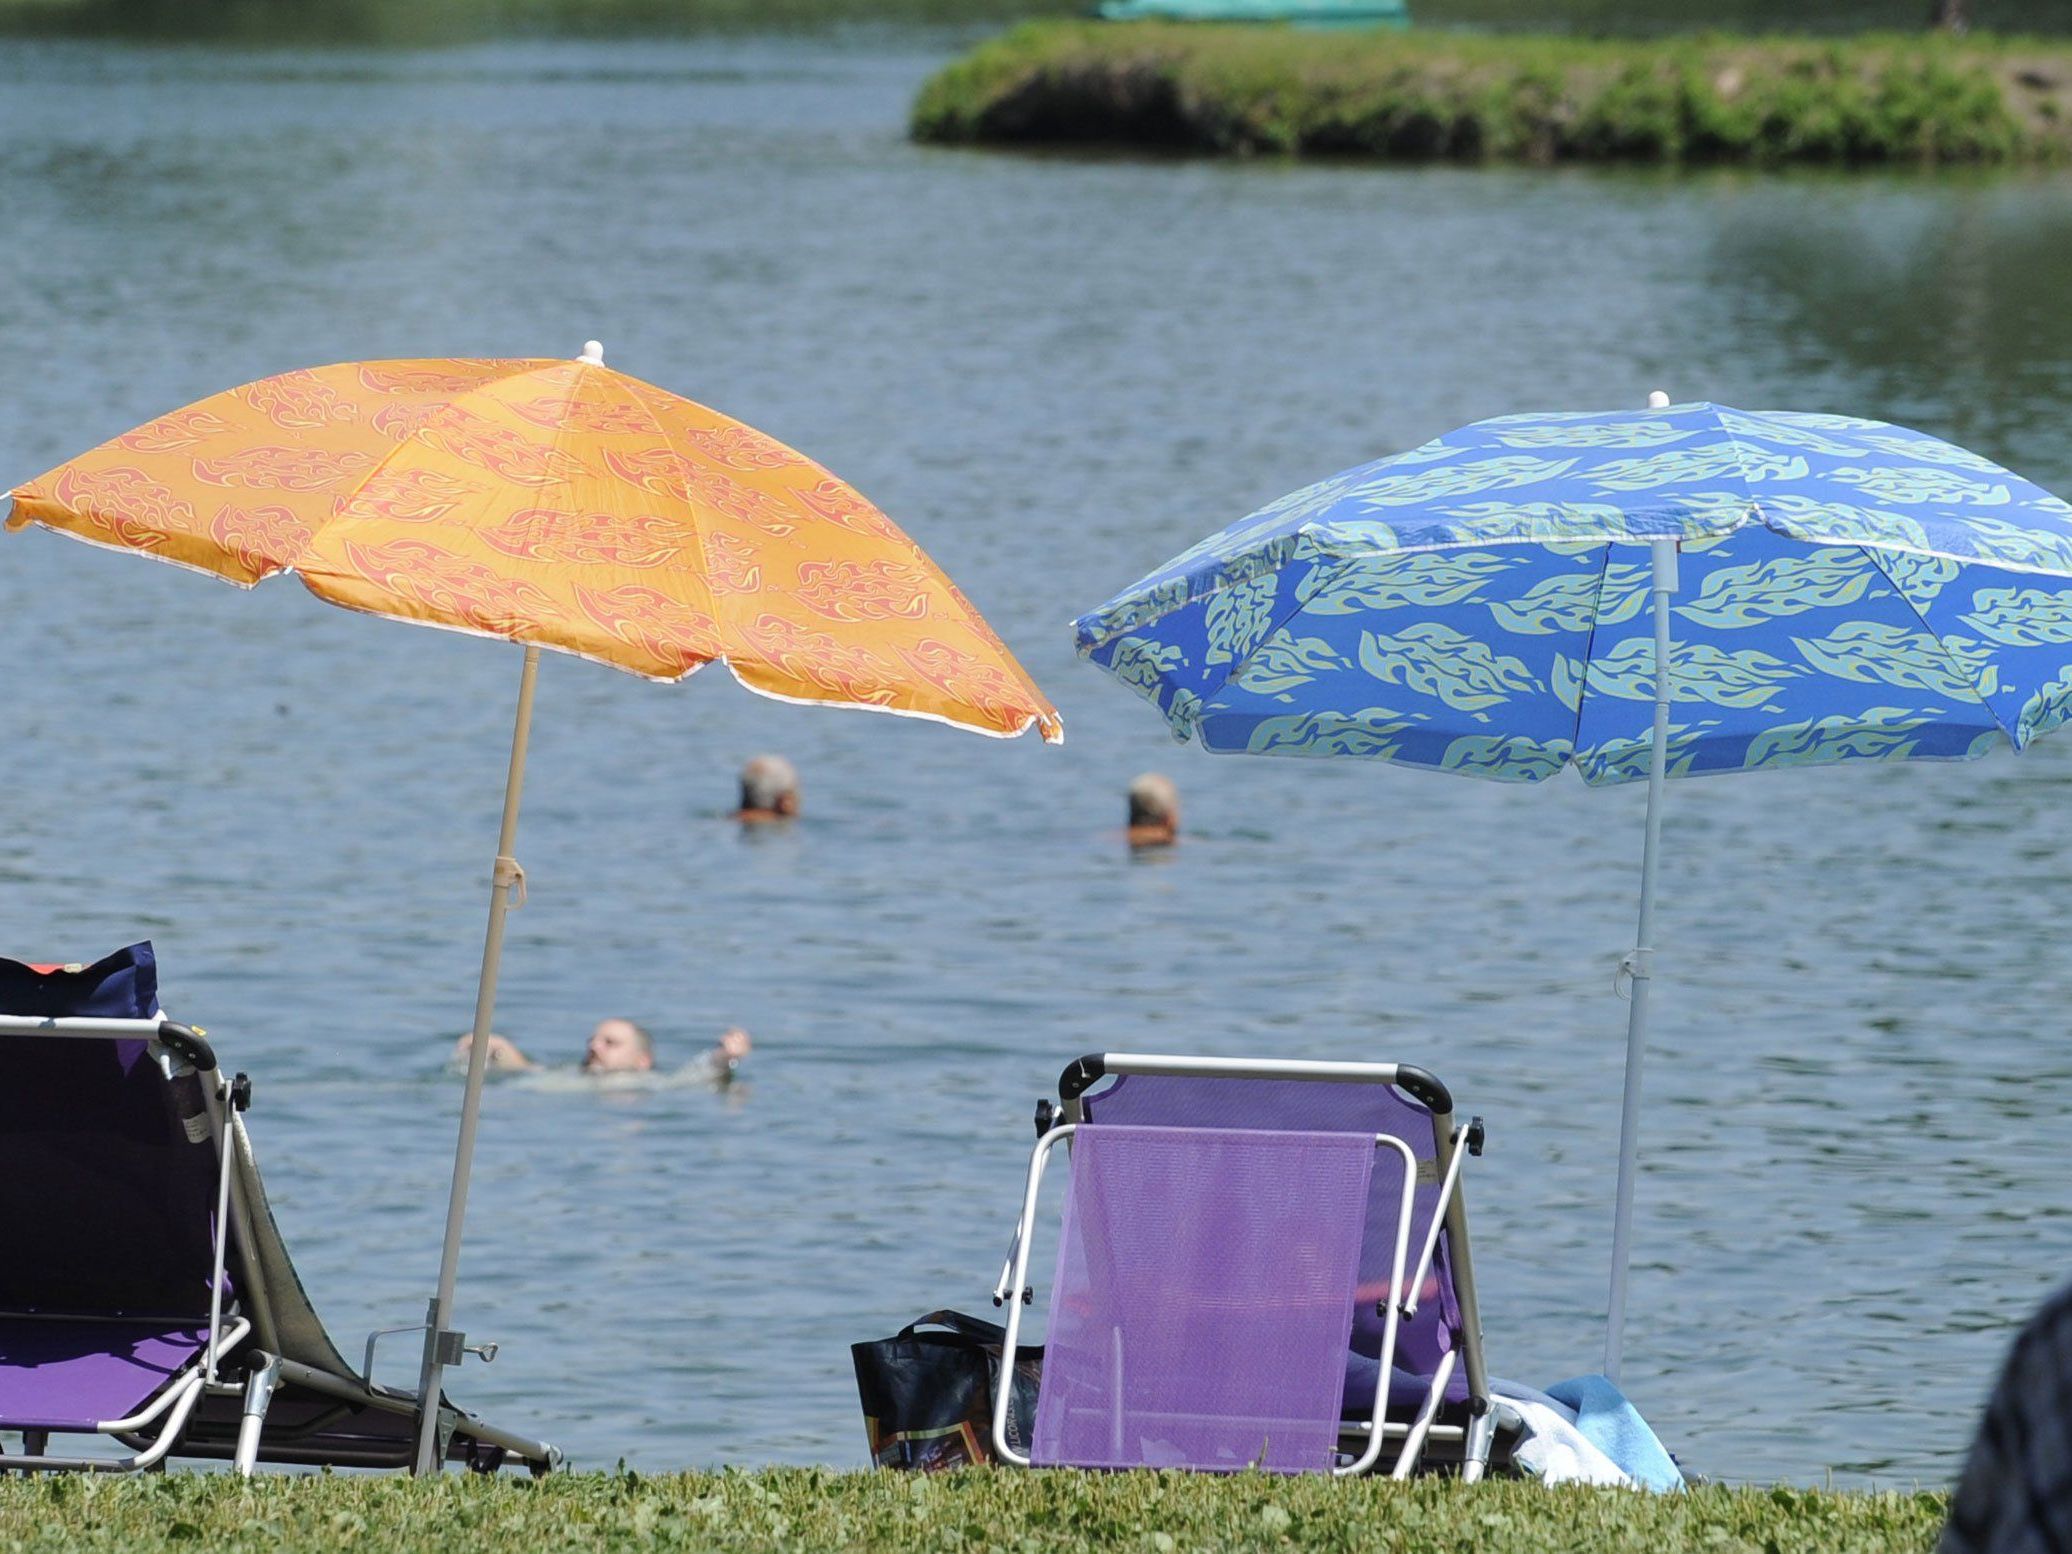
(928, 1395)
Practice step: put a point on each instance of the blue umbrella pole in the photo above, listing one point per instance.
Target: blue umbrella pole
(1639, 966)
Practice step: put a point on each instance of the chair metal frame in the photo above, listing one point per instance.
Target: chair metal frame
(1361, 1442)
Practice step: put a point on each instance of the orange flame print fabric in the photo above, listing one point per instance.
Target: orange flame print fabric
(555, 503)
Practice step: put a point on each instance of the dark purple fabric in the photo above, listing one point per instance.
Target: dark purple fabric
(60, 1375)
(1307, 1104)
(106, 1201)
(1203, 1299)
(1407, 1392)
(122, 986)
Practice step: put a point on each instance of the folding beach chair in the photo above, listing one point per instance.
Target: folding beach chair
(1261, 1264)
(145, 1295)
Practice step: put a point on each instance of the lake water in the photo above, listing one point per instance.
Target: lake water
(1056, 372)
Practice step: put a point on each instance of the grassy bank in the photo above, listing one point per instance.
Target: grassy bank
(971, 1513)
(1883, 98)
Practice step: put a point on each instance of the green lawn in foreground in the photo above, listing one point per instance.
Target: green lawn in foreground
(973, 1512)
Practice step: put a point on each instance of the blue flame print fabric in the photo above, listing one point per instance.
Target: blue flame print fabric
(1849, 590)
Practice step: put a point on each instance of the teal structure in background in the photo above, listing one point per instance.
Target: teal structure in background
(1301, 13)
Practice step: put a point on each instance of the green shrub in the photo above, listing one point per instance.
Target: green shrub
(1223, 90)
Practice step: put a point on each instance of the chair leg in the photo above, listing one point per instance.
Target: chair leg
(259, 1387)
(1481, 1433)
(1413, 1443)
(1115, 1431)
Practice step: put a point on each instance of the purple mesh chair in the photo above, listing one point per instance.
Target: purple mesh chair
(145, 1296)
(1261, 1264)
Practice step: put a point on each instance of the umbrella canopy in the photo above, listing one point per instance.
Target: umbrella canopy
(1849, 590)
(554, 503)
(1668, 593)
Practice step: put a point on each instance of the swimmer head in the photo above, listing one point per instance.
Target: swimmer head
(618, 1046)
(769, 789)
(1154, 811)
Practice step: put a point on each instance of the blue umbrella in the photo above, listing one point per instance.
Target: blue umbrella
(1640, 594)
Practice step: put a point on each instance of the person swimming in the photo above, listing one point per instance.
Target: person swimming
(618, 1046)
(769, 791)
(1154, 811)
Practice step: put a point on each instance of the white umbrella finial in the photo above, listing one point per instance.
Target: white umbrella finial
(593, 353)
(1656, 401)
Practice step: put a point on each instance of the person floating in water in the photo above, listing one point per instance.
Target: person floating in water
(619, 1046)
(769, 791)
(1154, 811)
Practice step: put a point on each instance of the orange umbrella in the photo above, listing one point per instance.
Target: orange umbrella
(555, 504)
(559, 504)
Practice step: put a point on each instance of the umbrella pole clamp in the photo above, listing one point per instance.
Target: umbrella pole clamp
(508, 876)
(1636, 965)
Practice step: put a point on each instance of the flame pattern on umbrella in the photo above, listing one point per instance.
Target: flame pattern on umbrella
(555, 503)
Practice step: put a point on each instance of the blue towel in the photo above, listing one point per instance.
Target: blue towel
(1614, 1426)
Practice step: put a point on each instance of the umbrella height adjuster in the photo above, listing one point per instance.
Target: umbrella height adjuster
(1637, 964)
(452, 1348)
(448, 1347)
(509, 876)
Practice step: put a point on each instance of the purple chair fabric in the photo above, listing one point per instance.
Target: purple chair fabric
(1203, 1299)
(65, 1375)
(1315, 1105)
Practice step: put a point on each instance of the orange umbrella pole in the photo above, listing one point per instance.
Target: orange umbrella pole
(443, 1347)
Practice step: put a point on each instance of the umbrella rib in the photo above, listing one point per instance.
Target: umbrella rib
(1275, 623)
(1755, 505)
(394, 451)
(1964, 671)
(560, 431)
(704, 572)
(1575, 744)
